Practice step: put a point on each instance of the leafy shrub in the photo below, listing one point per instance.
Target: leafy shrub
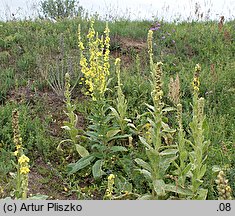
(59, 9)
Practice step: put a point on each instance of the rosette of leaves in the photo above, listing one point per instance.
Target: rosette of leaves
(102, 136)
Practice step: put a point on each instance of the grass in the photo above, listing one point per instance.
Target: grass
(29, 47)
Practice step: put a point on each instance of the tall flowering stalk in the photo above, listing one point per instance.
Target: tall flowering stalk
(109, 191)
(150, 48)
(71, 124)
(200, 145)
(159, 156)
(95, 67)
(223, 187)
(183, 167)
(22, 160)
(120, 113)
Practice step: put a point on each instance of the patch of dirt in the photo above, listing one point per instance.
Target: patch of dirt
(48, 103)
(126, 48)
(47, 182)
(129, 43)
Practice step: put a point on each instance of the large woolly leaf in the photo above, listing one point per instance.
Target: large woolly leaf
(165, 162)
(146, 197)
(97, 169)
(144, 142)
(202, 171)
(112, 133)
(159, 187)
(38, 197)
(178, 189)
(119, 137)
(118, 149)
(168, 152)
(80, 164)
(202, 194)
(146, 174)
(143, 164)
(186, 169)
(122, 184)
(81, 150)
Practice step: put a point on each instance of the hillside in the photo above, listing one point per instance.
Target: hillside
(115, 128)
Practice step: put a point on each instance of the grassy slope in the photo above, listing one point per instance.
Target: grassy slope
(27, 47)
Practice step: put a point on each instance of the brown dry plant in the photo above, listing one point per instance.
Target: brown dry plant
(174, 89)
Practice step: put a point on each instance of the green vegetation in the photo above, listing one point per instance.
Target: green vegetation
(97, 113)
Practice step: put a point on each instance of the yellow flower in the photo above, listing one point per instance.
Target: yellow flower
(65, 189)
(18, 147)
(111, 177)
(117, 61)
(23, 159)
(16, 152)
(24, 170)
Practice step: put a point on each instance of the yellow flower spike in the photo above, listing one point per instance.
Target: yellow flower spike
(18, 147)
(24, 170)
(196, 81)
(23, 159)
(117, 61)
(111, 177)
(96, 67)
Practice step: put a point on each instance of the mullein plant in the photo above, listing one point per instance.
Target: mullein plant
(199, 144)
(95, 67)
(120, 113)
(22, 160)
(224, 190)
(101, 133)
(160, 156)
(183, 167)
(71, 125)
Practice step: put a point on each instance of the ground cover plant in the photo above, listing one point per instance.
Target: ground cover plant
(123, 109)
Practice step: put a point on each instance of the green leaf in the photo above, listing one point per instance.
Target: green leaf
(168, 152)
(178, 189)
(146, 174)
(202, 171)
(118, 149)
(146, 197)
(169, 130)
(168, 109)
(115, 113)
(97, 169)
(81, 150)
(80, 164)
(144, 142)
(143, 164)
(122, 184)
(159, 187)
(150, 107)
(119, 137)
(186, 170)
(38, 197)
(165, 162)
(112, 133)
(202, 194)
